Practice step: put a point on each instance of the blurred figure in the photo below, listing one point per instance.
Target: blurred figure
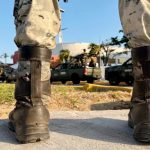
(135, 18)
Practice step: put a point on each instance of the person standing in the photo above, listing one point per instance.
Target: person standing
(135, 18)
(37, 24)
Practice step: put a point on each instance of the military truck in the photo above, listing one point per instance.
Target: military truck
(75, 72)
(120, 73)
(7, 73)
(10, 75)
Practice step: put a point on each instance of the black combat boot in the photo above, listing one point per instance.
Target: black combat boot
(139, 115)
(30, 118)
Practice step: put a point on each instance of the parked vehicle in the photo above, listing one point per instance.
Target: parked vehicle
(120, 73)
(75, 73)
(7, 73)
(10, 75)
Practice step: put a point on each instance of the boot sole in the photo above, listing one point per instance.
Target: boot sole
(33, 138)
(32, 133)
(142, 132)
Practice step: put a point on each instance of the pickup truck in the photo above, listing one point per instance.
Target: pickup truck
(75, 73)
(120, 73)
(7, 74)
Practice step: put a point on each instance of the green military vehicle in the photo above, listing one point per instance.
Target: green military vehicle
(10, 75)
(7, 73)
(120, 73)
(75, 73)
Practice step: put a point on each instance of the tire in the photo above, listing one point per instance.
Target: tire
(3, 80)
(90, 80)
(114, 80)
(63, 82)
(75, 79)
(129, 81)
(8, 81)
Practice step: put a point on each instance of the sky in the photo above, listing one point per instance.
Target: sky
(85, 21)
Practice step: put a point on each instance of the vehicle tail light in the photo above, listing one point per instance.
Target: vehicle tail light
(85, 72)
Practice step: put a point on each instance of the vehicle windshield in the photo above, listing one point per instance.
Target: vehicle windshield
(128, 62)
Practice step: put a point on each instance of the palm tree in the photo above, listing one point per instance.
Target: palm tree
(122, 41)
(94, 49)
(106, 51)
(64, 55)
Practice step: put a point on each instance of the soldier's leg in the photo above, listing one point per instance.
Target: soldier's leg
(37, 23)
(135, 17)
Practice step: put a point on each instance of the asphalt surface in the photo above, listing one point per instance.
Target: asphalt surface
(94, 130)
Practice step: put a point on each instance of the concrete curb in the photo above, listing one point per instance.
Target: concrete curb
(99, 88)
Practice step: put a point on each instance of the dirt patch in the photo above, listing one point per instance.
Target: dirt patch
(69, 97)
(5, 109)
(76, 98)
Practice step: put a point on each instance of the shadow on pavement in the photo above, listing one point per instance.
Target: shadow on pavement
(111, 105)
(102, 129)
(6, 135)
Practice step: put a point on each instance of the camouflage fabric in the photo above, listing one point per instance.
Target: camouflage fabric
(135, 18)
(24, 72)
(37, 22)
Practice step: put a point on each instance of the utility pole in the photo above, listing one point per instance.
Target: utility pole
(5, 57)
(60, 32)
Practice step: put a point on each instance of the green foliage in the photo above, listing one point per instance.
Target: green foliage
(64, 55)
(122, 41)
(94, 49)
(106, 51)
(106, 47)
(74, 97)
(6, 93)
(115, 41)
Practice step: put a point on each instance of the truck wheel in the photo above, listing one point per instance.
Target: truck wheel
(63, 82)
(90, 80)
(129, 81)
(8, 81)
(75, 79)
(114, 81)
(3, 80)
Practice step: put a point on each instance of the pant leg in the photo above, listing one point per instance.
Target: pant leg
(37, 22)
(135, 19)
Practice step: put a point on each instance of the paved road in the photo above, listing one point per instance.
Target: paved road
(95, 130)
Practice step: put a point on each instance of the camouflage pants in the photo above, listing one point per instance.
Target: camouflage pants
(135, 18)
(37, 22)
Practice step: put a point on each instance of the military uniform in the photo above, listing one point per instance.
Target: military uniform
(37, 22)
(135, 18)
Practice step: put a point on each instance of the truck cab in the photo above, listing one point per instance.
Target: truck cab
(120, 73)
(74, 72)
